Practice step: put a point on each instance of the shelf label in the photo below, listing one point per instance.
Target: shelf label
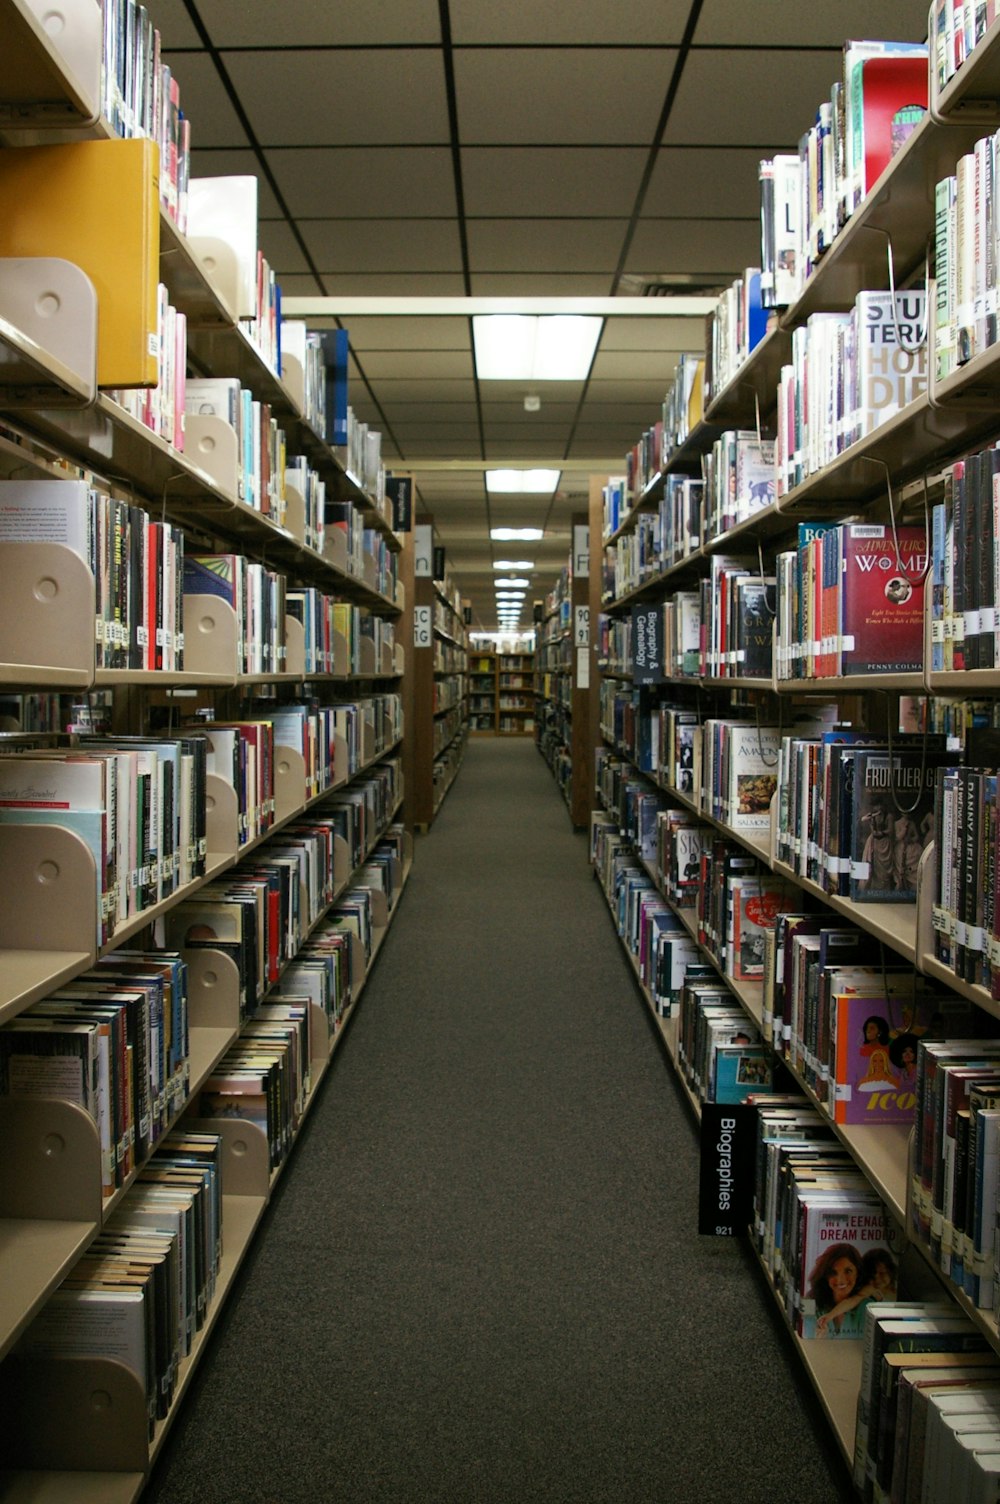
(423, 550)
(581, 551)
(581, 626)
(647, 645)
(423, 627)
(726, 1180)
(582, 668)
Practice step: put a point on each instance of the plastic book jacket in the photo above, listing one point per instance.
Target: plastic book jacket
(848, 1262)
(882, 599)
(893, 822)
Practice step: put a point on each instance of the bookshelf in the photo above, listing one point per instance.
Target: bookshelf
(439, 717)
(953, 418)
(515, 694)
(566, 692)
(60, 1444)
(482, 692)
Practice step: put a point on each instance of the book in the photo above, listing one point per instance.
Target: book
(893, 820)
(891, 346)
(881, 598)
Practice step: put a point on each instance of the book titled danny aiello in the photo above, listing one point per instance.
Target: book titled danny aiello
(891, 346)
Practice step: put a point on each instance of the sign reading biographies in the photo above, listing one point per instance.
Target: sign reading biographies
(647, 645)
(399, 489)
(726, 1180)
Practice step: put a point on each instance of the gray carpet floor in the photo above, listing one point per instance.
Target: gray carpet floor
(479, 1281)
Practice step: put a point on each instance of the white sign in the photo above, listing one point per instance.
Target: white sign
(581, 551)
(423, 550)
(581, 626)
(423, 627)
(582, 668)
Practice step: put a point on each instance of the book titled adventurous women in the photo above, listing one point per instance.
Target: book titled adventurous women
(893, 820)
(881, 599)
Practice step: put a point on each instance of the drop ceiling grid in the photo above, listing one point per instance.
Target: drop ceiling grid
(562, 180)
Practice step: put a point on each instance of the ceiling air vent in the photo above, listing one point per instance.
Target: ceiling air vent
(669, 286)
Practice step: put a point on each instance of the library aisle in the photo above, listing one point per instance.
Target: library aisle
(482, 1280)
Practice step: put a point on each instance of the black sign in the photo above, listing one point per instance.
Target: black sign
(725, 1190)
(438, 562)
(647, 645)
(467, 615)
(399, 489)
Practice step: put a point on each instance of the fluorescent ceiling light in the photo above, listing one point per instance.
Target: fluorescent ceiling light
(522, 483)
(509, 593)
(514, 564)
(520, 347)
(516, 534)
(516, 580)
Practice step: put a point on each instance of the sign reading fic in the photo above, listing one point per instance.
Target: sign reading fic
(726, 1179)
(647, 645)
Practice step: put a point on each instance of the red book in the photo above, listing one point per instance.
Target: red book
(882, 599)
(894, 98)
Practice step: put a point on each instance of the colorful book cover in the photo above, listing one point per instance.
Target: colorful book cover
(891, 348)
(212, 574)
(848, 1262)
(893, 102)
(741, 1070)
(875, 1037)
(882, 599)
(753, 775)
(893, 820)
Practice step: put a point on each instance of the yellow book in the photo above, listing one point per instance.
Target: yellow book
(695, 401)
(97, 204)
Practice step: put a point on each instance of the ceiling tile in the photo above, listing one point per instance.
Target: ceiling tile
(276, 240)
(787, 88)
(398, 333)
(643, 22)
(711, 245)
(561, 95)
(551, 436)
(654, 333)
(379, 182)
(688, 180)
(391, 285)
(205, 102)
(733, 21)
(175, 26)
(546, 245)
(233, 23)
(434, 364)
(327, 98)
(390, 390)
(384, 245)
(430, 412)
(522, 182)
(509, 412)
(549, 391)
(240, 162)
(635, 365)
(540, 284)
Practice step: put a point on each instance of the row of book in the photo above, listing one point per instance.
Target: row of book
(145, 1285)
(955, 1171)
(954, 32)
(115, 1043)
(966, 912)
(928, 1418)
(808, 197)
(448, 692)
(141, 97)
(137, 564)
(364, 459)
(850, 600)
(849, 373)
(258, 599)
(734, 328)
(304, 481)
(738, 474)
(325, 619)
(259, 476)
(965, 590)
(305, 347)
(854, 816)
(161, 408)
(823, 1235)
